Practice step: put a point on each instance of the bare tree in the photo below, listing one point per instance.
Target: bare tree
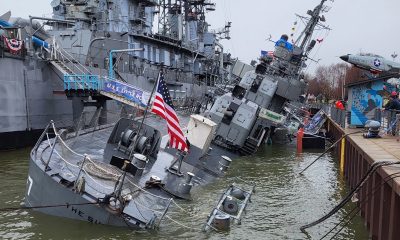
(329, 81)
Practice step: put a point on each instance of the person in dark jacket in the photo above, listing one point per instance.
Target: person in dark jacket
(394, 103)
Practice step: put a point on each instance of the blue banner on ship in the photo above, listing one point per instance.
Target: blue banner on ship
(316, 123)
(129, 92)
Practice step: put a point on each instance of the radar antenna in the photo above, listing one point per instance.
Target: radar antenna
(306, 34)
(224, 33)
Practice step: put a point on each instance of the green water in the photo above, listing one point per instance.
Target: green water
(283, 202)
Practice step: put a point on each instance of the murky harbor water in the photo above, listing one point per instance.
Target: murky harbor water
(283, 202)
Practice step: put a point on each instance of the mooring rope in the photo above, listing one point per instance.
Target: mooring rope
(376, 188)
(370, 171)
(181, 224)
(334, 144)
(10, 209)
(45, 206)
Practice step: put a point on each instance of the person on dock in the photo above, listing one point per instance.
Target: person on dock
(394, 107)
(393, 104)
(339, 105)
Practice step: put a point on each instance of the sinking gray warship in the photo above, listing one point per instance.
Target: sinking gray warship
(255, 109)
(122, 174)
(173, 35)
(125, 174)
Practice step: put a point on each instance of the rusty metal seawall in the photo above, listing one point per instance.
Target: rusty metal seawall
(379, 199)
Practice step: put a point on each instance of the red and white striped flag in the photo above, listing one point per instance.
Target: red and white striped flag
(267, 53)
(163, 107)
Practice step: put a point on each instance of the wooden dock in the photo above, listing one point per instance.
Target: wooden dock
(379, 198)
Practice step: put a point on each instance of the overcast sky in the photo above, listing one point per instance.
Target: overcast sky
(357, 25)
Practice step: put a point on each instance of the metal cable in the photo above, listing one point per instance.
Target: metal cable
(370, 171)
(181, 224)
(387, 179)
(44, 206)
(334, 144)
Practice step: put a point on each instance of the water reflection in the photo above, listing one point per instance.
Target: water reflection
(283, 202)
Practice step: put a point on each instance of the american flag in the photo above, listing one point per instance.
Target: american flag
(163, 107)
(267, 53)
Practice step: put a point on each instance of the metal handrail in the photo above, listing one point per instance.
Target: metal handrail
(91, 82)
(64, 58)
(67, 57)
(85, 70)
(34, 149)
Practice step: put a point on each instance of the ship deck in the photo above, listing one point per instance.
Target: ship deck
(67, 157)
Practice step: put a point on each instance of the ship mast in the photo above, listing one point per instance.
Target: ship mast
(176, 14)
(309, 29)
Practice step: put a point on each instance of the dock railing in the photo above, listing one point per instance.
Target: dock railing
(338, 116)
(389, 120)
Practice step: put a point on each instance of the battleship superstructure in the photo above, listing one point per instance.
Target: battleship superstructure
(77, 40)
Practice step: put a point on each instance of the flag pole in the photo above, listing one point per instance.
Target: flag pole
(179, 161)
(145, 112)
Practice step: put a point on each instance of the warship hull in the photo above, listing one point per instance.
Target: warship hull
(28, 102)
(54, 171)
(19, 139)
(35, 67)
(32, 94)
(41, 184)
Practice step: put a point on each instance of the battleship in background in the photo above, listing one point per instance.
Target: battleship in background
(36, 54)
(124, 174)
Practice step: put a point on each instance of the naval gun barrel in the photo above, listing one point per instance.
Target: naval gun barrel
(37, 28)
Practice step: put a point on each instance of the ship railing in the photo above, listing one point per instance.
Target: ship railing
(40, 140)
(146, 200)
(59, 53)
(109, 87)
(142, 199)
(82, 82)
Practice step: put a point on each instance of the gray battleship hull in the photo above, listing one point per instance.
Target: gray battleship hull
(28, 102)
(32, 94)
(41, 184)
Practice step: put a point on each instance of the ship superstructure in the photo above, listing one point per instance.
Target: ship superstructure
(180, 41)
(77, 41)
(249, 115)
(118, 174)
